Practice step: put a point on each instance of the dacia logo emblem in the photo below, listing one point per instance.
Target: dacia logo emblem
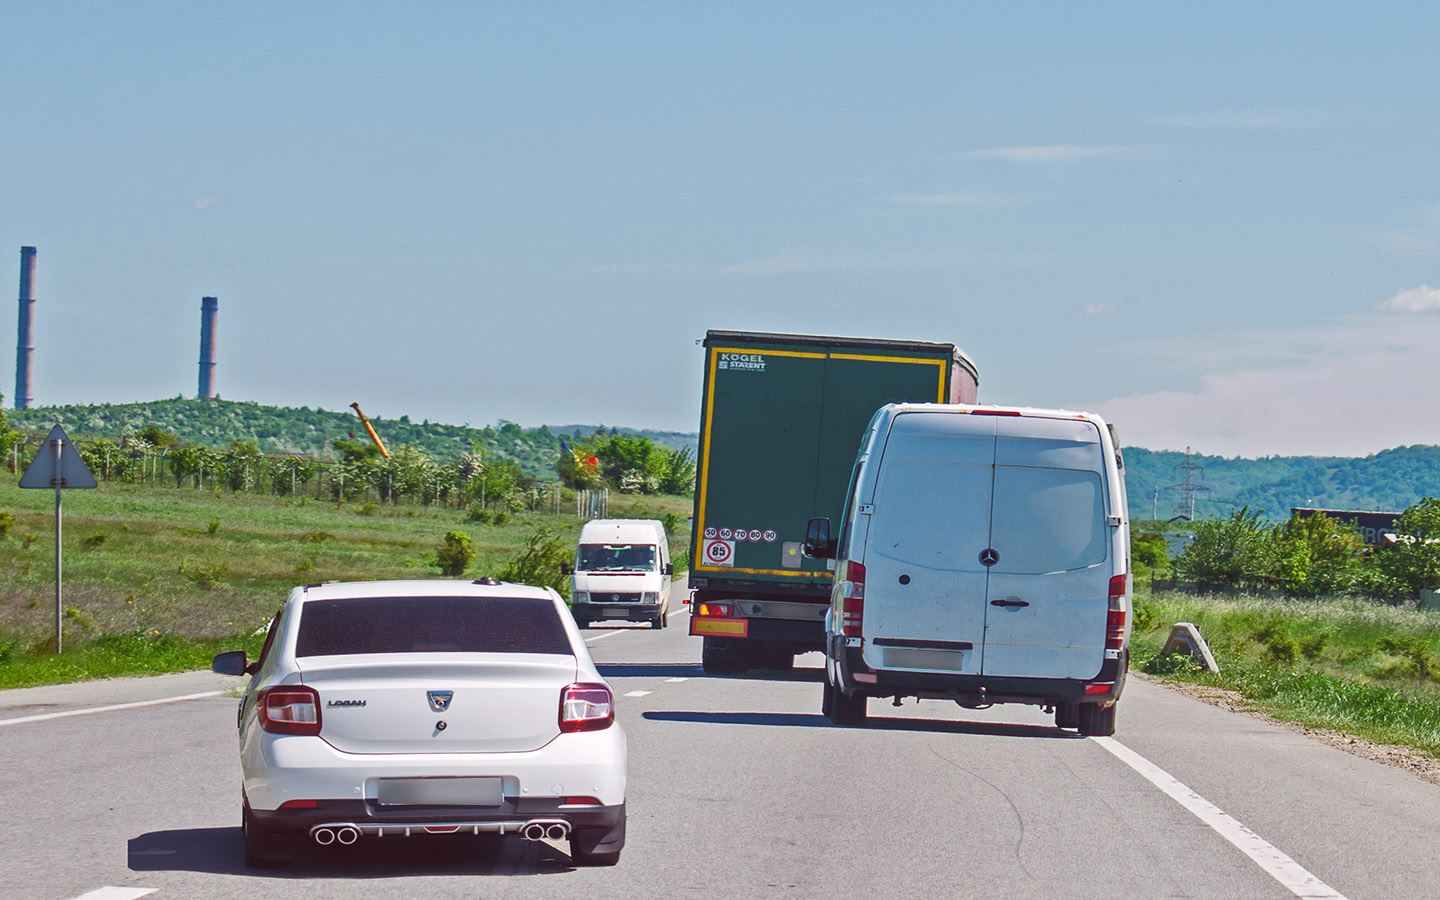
(440, 700)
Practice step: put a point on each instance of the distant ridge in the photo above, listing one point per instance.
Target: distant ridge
(1389, 480)
(216, 423)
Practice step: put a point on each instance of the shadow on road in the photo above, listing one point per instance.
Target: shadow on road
(220, 851)
(693, 670)
(873, 723)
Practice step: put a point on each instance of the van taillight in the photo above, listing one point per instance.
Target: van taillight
(1115, 619)
(852, 599)
(586, 707)
(290, 710)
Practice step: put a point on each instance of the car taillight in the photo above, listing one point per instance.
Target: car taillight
(1115, 620)
(723, 610)
(852, 599)
(586, 707)
(290, 710)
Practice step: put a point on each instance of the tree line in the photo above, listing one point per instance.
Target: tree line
(1307, 556)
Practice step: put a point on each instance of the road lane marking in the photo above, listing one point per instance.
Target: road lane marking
(99, 709)
(1295, 877)
(601, 637)
(637, 694)
(675, 680)
(116, 893)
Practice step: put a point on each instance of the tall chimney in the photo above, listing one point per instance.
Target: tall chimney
(25, 347)
(209, 307)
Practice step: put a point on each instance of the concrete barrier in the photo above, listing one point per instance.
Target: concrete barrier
(1185, 638)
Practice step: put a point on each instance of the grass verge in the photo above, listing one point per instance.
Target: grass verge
(1349, 665)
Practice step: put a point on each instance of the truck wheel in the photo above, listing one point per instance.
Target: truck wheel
(782, 660)
(720, 660)
(657, 622)
(1067, 715)
(848, 710)
(1096, 720)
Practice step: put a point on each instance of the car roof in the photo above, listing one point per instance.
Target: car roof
(419, 587)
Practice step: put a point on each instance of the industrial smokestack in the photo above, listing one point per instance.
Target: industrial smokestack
(25, 347)
(209, 307)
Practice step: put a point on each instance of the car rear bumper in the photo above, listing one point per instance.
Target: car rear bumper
(283, 768)
(977, 690)
(618, 612)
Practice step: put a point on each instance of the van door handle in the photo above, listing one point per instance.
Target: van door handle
(1009, 601)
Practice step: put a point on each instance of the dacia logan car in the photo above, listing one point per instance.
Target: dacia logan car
(395, 709)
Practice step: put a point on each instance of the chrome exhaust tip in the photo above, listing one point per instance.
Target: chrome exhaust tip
(323, 836)
(347, 835)
(557, 832)
(533, 832)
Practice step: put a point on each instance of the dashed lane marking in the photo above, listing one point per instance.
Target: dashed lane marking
(116, 893)
(99, 709)
(1295, 877)
(637, 693)
(675, 680)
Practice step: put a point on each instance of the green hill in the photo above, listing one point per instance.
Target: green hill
(312, 432)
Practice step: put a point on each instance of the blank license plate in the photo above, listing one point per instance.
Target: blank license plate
(440, 792)
(616, 611)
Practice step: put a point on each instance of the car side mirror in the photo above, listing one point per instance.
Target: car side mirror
(567, 569)
(817, 540)
(669, 568)
(231, 663)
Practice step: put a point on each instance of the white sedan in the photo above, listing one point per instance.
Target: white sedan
(395, 709)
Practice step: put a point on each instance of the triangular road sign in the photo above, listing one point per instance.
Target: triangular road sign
(64, 469)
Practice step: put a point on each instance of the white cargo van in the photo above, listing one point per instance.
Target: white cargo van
(622, 571)
(984, 557)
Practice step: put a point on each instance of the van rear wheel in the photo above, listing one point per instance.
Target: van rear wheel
(1067, 715)
(1098, 721)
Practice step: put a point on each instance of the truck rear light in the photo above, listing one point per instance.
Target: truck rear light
(1102, 688)
(293, 709)
(1115, 619)
(994, 412)
(723, 610)
(852, 600)
(586, 707)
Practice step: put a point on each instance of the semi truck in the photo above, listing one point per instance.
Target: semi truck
(781, 419)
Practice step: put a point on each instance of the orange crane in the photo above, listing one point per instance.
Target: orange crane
(370, 430)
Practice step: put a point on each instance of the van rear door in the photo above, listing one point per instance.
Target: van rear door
(1048, 587)
(925, 606)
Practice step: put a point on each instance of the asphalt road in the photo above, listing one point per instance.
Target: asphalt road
(740, 789)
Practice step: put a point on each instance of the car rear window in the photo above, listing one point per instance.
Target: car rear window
(430, 625)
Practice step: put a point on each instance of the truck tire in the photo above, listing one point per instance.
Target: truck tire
(717, 659)
(1067, 715)
(1098, 721)
(848, 709)
(827, 700)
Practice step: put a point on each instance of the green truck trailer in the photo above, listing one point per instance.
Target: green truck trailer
(780, 423)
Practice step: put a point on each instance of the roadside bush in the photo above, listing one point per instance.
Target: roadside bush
(539, 562)
(92, 541)
(1418, 654)
(454, 553)
(7, 522)
(1230, 552)
(1172, 664)
(1275, 638)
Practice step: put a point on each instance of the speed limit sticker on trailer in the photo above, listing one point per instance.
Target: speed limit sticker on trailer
(719, 553)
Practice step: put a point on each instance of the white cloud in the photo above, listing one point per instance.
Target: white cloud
(1422, 299)
(1238, 119)
(1350, 389)
(1100, 307)
(1052, 153)
(956, 198)
(207, 202)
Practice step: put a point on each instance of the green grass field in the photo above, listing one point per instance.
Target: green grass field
(1355, 666)
(159, 578)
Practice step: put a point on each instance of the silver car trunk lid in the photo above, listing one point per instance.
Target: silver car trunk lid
(439, 703)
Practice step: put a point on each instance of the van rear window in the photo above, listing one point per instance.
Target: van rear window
(430, 625)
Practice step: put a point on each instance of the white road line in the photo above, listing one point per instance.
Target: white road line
(1295, 877)
(637, 693)
(99, 709)
(116, 893)
(675, 680)
(601, 637)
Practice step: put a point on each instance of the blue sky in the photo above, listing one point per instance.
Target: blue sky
(1218, 224)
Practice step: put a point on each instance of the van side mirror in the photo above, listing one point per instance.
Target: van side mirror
(567, 569)
(669, 568)
(817, 540)
(231, 663)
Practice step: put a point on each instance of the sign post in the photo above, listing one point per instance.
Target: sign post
(57, 465)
